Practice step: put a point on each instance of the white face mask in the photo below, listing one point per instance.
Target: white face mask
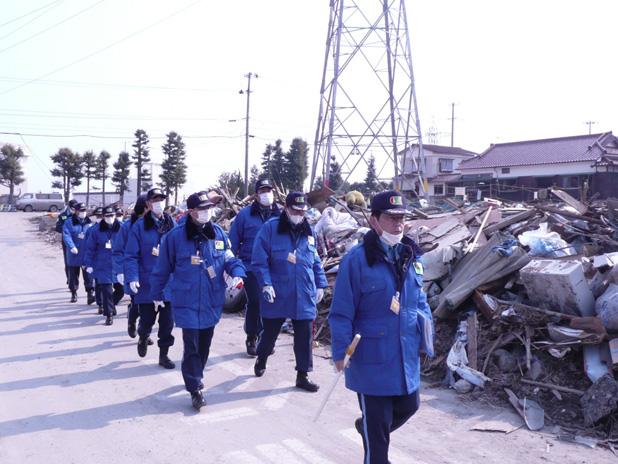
(390, 239)
(266, 198)
(204, 215)
(109, 220)
(81, 215)
(294, 219)
(157, 208)
(95, 220)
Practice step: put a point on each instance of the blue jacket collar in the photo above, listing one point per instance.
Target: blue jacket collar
(114, 227)
(255, 209)
(167, 222)
(374, 253)
(76, 221)
(193, 231)
(284, 226)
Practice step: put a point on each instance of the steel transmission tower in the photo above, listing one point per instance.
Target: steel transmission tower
(368, 101)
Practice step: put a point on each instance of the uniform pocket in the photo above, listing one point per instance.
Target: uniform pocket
(373, 286)
(372, 346)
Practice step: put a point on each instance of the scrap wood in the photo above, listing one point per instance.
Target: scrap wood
(550, 209)
(529, 412)
(552, 387)
(507, 222)
(455, 205)
(471, 247)
(473, 341)
(569, 200)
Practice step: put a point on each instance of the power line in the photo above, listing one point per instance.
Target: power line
(100, 117)
(120, 137)
(28, 14)
(32, 20)
(49, 28)
(102, 49)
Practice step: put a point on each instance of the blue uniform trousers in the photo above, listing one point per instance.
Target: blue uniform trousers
(112, 294)
(64, 255)
(195, 354)
(148, 317)
(303, 341)
(132, 312)
(253, 292)
(98, 295)
(381, 416)
(74, 278)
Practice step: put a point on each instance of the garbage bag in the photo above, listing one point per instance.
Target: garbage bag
(545, 244)
(333, 221)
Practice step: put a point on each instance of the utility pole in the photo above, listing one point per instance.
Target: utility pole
(452, 124)
(248, 91)
(590, 123)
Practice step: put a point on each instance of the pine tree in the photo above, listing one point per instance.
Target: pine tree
(68, 169)
(90, 167)
(296, 160)
(141, 156)
(102, 174)
(336, 180)
(253, 178)
(11, 173)
(122, 171)
(173, 167)
(371, 179)
(277, 164)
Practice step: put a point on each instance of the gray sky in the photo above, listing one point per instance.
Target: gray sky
(104, 68)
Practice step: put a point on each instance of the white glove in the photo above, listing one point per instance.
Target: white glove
(237, 282)
(89, 270)
(158, 303)
(120, 278)
(269, 293)
(319, 295)
(134, 286)
(74, 250)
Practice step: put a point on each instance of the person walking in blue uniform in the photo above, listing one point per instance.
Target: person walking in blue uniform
(98, 262)
(378, 293)
(140, 256)
(139, 209)
(289, 271)
(242, 234)
(196, 253)
(62, 217)
(96, 217)
(74, 236)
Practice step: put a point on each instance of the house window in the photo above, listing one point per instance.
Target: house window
(506, 170)
(446, 165)
(438, 189)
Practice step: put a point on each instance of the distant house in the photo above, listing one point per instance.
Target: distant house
(521, 171)
(441, 169)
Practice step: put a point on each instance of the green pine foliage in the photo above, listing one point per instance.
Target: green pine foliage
(11, 172)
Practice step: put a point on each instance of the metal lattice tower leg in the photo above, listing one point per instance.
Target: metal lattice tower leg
(367, 97)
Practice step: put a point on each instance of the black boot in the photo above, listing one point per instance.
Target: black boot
(142, 347)
(91, 298)
(197, 400)
(100, 309)
(150, 342)
(260, 367)
(164, 360)
(132, 330)
(302, 381)
(73, 297)
(251, 343)
(109, 320)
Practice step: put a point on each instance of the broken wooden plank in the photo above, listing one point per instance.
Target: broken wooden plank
(569, 200)
(509, 221)
(568, 214)
(473, 341)
(552, 387)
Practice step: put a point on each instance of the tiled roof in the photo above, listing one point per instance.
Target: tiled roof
(546, 151)
(447, 150)
(445, 178)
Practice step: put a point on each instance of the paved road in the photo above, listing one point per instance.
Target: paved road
(73, 390)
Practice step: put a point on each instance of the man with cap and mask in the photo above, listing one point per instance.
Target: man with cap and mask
(74, 236)
(289, 271)
(96, 216)
(378, 294)
(140, 257)
(62, 217)
(197, 253)
(98, 261)
(242, 234)
(139, 209)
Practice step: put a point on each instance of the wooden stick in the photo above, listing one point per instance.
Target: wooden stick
(553, 387)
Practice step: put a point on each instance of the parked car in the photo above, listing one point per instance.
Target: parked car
(40, 202)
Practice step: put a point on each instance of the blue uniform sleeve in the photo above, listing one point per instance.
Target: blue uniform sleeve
(318, 270)
(91, 249)
(118, 248)
(66, 234)
(132, 254)
(235, 234)
(166, 263)
(260, 256)
(346, 297)
(233, 266)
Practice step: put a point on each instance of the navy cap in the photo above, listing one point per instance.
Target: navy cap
(72, 203)
(297, 201)
(199, 200)
(155, 193)
(263, 183)
(108, 211)
(98, 211)
(390, 202)
(79, 206)
(118, 210)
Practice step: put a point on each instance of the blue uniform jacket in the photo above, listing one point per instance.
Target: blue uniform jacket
(62, 217)
(99, 253)
(118, 246)
(196, 297)
(139, 254)
(245, 227)
(386, 361)
(74, 235)
(295, 284)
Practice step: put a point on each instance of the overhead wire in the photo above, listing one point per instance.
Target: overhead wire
(28, 14)
(102, 49)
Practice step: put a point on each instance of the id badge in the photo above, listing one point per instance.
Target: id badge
(395, 304)
(80, 236)
(292, 257)
(155, 251)
(211, 272)
(196, 260)
(108, 245)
